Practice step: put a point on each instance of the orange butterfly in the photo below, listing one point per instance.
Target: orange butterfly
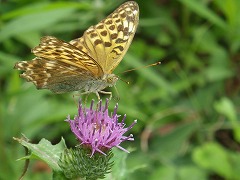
(84, 64)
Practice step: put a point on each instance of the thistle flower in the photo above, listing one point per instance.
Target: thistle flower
(99, 130)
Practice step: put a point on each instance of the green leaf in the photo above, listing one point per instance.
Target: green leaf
(226, 107)
(165, 172)
(149, 74)
(169, 146)
(37, 7)
(230, 9)
(119, 169)
(45, 151)
(217, 73)
(29, 38)
(202, 10)
(213, 157)
(35, 21)
(191, 172)
(7, 61)
(171, 172)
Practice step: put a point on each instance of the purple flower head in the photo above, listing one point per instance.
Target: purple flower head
(97, 130)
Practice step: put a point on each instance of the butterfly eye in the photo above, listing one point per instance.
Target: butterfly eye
(110, 80)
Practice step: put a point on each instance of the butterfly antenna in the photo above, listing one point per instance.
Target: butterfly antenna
(127, 82)
(154, 64)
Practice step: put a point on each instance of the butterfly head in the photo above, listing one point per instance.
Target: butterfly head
(110, 79)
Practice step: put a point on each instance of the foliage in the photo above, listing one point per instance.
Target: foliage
(187, 107)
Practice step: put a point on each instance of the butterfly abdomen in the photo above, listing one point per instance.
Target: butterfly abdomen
(87, 86)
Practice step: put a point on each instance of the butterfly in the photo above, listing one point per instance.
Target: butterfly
(84, 64)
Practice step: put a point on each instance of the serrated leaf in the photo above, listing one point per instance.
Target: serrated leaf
(45, 151)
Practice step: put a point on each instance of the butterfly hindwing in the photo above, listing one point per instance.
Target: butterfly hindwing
(54, 75)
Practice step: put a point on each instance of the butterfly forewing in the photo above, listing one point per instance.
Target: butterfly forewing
(108, 41)
(87, 62)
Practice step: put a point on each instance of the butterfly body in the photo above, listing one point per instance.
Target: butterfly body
(87, 86)
(84, 64)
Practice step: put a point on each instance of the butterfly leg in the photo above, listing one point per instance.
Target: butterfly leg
(97, 94)
(104, 92)
(75, 101)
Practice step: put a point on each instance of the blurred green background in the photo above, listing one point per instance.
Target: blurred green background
(187, 108)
